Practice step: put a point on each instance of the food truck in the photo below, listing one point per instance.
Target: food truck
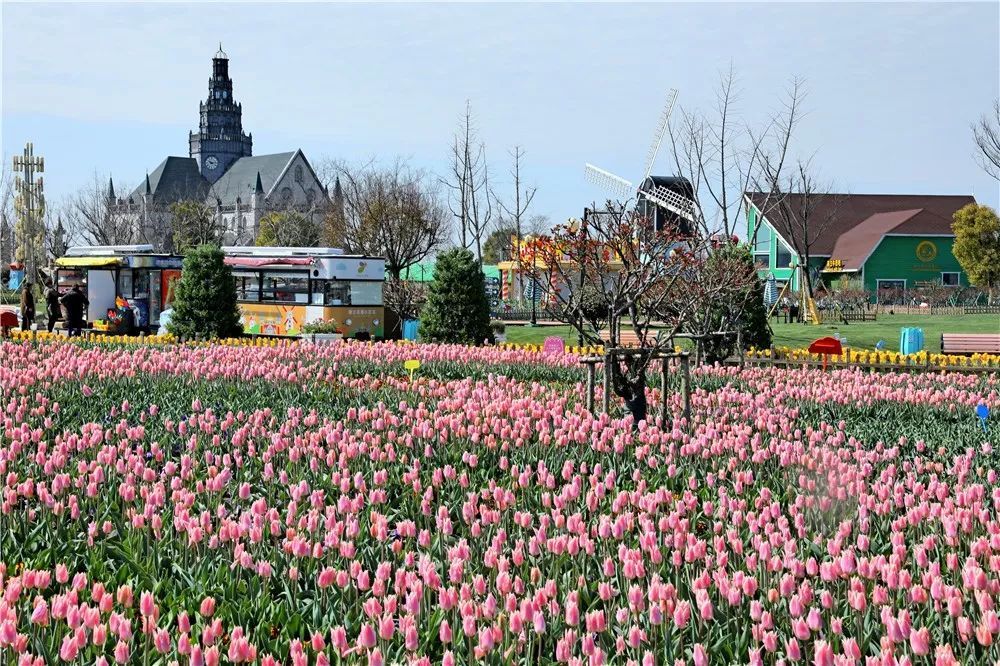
(108, 274)
(280, 289)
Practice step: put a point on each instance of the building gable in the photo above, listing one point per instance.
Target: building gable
(297, 185)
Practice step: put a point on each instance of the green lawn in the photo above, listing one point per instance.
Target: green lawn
(860, 335)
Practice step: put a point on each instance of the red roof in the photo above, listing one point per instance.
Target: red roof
(843, 212)
(267, 261)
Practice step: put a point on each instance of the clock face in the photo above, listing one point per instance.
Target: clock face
(212, 162)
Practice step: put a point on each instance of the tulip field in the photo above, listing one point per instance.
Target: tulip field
(300, 504)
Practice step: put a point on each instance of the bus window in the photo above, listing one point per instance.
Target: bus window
(247, 286)
(285, 288)
(366, 293)
(337, 293)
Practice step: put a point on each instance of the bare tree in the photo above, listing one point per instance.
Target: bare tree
(514, 214)
(393, 212)
(723, 156)
(6, 214)
(92, 215)
(614, 272)
(470, 199)
(798, 208)
(987, 135)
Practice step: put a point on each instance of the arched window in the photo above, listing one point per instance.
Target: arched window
(298, 173)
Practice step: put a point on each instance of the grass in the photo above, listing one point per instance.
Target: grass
(860, 335)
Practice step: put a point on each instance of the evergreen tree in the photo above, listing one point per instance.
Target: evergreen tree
(457, 309)
(205, 301)
(744, 311)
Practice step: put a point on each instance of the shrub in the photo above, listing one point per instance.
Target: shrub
(457, 309)
(205, 300)
(325, 326)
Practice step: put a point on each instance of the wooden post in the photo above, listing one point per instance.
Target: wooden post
(664, 373)
(686, 386)
(591, 381)
(608, 359)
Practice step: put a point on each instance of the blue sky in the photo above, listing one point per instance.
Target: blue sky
(114, 88)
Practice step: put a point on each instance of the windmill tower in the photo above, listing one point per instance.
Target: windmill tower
(667, 200)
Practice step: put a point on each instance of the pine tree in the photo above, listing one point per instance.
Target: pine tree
(205, 301)
(457, 310)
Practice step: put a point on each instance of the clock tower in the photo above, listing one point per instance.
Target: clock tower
(220, 139)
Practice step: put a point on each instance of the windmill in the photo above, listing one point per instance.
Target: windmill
(671, 197)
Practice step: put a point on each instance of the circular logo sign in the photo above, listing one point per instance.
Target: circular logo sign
(926, 251)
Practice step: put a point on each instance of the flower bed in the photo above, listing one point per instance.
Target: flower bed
(294, 504)
(873, 357)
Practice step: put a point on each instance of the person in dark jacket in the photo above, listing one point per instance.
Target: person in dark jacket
(76, 305)
(27, 306)
(52, 305)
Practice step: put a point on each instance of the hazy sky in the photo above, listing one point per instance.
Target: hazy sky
(114, 88)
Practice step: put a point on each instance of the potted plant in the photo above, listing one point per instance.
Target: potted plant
(326, 330)
(499, 330)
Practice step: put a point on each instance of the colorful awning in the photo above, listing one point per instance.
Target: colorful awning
(252, 262)
(88, 262)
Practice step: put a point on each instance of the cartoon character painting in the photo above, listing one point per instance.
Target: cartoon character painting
(291, 324)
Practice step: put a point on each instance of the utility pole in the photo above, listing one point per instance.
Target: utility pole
(29, 207)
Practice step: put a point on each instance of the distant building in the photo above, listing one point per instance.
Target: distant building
(888, 242)
(222, 172)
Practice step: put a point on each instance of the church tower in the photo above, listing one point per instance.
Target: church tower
(220, 139)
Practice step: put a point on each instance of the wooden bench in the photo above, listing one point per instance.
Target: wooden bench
(626, 338)
(970, 343)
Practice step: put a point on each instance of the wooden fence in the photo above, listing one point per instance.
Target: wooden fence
(847, 365)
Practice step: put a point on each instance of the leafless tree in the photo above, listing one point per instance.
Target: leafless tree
(468, 182)
(514, 213)
(723, 155)
(798, 207)
(987, 135)
(614, 272)
(91, 216)
(393, 212)
(404, 297)
(6, 214)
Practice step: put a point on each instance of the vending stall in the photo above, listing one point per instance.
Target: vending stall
(281, 289)
(117, 276)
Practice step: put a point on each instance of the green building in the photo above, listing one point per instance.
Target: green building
(889, 243)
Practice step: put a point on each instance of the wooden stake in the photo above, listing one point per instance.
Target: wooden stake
(591, 381)
(686, 386)
(608, 360)
(664, 401)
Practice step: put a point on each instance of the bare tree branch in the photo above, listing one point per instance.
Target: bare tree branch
(393, 212)
(987, 135)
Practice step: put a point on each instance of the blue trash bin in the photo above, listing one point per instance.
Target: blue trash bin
(410, 327)
(911, 340)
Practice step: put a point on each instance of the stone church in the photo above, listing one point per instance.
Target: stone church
(222, 172)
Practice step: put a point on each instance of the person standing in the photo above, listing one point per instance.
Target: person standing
(52, 305)
(27, 306)
(76, 304)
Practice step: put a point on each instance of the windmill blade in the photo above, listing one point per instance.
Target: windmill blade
(670, 200)
(661, 128)
(616, 185)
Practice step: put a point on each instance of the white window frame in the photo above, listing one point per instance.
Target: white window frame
(879, 281)
(958, 278)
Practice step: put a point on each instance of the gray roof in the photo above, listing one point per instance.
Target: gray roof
(240, 179)
(175, 179)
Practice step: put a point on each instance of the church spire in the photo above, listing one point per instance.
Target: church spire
(220, 139)
(149, 190)
(111, 189)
